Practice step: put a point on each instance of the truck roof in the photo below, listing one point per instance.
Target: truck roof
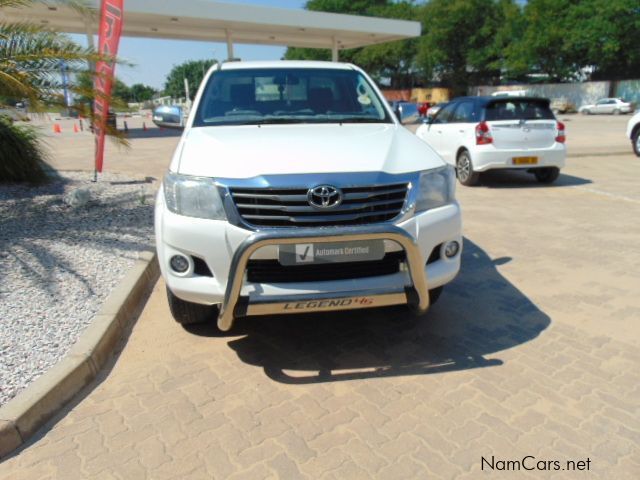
(285, 64)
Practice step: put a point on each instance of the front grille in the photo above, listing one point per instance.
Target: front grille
(271, 271)
(283, 207)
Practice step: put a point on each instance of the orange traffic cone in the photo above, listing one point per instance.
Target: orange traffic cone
(75, 128)
(56, 128)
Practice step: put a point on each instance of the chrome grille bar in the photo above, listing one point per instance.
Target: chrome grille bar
(281, 207)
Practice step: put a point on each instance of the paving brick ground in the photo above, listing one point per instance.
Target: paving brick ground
(532, 351)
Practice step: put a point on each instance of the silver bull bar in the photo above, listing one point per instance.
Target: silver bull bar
(234, 305)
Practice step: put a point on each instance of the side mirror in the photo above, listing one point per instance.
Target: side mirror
(409, 114)
(168, 116)
(428, 120)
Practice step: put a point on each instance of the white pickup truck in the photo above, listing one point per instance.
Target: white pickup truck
(295, 189)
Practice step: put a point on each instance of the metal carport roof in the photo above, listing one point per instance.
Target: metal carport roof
(213, 21)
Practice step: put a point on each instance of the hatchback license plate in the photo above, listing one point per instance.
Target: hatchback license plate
(335, 252)
(525, 160)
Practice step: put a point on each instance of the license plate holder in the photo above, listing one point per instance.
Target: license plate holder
(330, 252)
(525, 160)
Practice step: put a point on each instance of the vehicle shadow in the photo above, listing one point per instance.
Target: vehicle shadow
(519, 179)
(479, 314)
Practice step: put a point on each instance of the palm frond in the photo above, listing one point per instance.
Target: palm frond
(14, 3)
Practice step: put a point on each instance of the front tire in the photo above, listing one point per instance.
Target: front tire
(586, 111)
(636, 142)
(616, 111)
(547, 175)
(187, 313)
(464, 170)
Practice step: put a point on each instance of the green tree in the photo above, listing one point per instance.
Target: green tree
(142, 93)
(121, 91)
(603, 34)
(83, 87)
(392, 60)
(457, 46)
(193, 70)
(542, 47)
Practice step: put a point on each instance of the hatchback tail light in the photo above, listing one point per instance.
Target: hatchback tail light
(560, 135)
(483, 135)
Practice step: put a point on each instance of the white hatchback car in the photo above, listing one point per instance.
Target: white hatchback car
(476, 134)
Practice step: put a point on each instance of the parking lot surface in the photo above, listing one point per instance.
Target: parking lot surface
(532, 352)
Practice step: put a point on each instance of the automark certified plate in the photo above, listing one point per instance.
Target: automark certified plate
(335, 252)
(525, 160)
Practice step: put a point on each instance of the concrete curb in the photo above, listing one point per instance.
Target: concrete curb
(22, 416)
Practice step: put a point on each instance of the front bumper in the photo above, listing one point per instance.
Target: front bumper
(236, 305)
(227, 248)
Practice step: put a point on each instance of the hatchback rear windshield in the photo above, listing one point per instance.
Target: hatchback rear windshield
(513, 109)
(289, 95)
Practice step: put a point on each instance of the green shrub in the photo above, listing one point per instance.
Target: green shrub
(22, 155)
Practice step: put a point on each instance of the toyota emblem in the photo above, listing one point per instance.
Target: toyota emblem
(324, 196)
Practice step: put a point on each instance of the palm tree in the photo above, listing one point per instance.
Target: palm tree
(30, 60)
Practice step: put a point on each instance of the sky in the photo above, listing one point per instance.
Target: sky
(155, 58)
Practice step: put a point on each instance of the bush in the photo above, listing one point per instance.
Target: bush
(22, 155)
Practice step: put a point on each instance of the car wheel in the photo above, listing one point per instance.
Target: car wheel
(547, 175)
(586, 111)
(464, 170)
(616, 111)
(187, 313)
(636, 142)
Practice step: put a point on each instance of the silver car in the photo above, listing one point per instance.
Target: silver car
(614, 106)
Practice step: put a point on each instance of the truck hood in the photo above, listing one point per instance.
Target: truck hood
(249, 150)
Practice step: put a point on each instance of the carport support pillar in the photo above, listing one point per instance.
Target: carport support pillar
(334, 49)
(229, 45)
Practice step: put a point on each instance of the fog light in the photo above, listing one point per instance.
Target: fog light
(179, 263)
(451, 249)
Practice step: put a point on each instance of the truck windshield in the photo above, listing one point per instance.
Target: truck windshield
(288, 95)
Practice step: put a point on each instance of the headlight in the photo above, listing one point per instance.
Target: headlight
(193, 196)
(436, 188)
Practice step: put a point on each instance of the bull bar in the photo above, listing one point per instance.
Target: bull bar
(235, 305)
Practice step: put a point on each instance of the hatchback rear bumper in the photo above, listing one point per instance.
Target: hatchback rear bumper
(491, 158)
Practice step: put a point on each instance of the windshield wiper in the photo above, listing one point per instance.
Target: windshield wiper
(359, 120)
(280, 120)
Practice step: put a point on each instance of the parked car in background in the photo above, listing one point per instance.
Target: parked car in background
(431, 111)
(633, 132)
(614, 106)
(562, 105)
(476, 134)
(405, 110)
(510, 93)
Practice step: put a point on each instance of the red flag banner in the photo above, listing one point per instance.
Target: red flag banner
(111, 18)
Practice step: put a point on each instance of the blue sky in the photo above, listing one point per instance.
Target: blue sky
(155, 58)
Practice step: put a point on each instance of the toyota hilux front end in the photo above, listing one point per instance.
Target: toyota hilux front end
(294, 189)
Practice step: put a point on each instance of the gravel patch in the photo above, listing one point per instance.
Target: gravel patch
(59, 261)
